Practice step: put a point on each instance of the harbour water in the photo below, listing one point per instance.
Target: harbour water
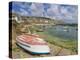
(66, 32)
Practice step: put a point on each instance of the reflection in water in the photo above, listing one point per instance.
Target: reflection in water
(66, 32)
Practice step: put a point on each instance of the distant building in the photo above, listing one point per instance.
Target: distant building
(31, 19)
(16, 17)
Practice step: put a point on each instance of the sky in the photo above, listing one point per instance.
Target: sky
(67, 13)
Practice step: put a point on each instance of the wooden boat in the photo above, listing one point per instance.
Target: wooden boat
(33, 44)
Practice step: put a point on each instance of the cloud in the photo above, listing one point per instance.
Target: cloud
(37, 9)
(23, 12)
(69, 12)
(53, 11)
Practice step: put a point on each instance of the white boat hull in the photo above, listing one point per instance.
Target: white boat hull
(34, 49)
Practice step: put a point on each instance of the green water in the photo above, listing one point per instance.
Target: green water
(65, 32)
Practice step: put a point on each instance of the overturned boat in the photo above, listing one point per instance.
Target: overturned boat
(33, 43)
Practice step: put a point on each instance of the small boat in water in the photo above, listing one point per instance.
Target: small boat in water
(33, 43)
(65, 30)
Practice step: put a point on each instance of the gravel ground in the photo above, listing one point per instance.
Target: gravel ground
(18, 52)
